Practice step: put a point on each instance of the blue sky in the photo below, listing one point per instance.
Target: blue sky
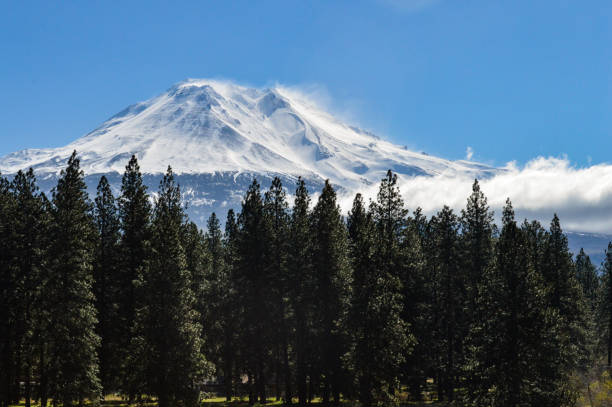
(511, 79)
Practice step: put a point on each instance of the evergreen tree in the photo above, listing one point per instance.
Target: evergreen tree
(586, 274)
(176, 367)
(252, 282)
(107, 280)
(229, 312)
(199, 262)
(448, 300)
(514, 350)
(333, 278)
(379, 333)
(301, 286)
(218, 304)
(423, 363)
(565, 295)
(31, 225)
(134, 246)
(606, 303)
(9, 340)
(74, 362)
(477, 229)
(397, 258)
(276, 211)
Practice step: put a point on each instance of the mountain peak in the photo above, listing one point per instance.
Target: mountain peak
(203, 126)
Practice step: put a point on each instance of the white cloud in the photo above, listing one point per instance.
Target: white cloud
(469, 153)
(582, 197)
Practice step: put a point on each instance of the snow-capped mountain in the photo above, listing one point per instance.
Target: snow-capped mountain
(218, 135)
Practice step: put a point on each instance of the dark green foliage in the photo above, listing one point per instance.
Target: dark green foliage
(228, 310)
(276, 212)
(300, 290)
(252, 281)
(514, 353)
(72, 312)
(605, 305)
(477, 229)
(107, 280)
(566, 296)
(217, 307)
(586, 274)
(174, 365)
(448, 299)
(8, 339)
(332, 286)
(288, 301)
(380, 334)
(134, 246)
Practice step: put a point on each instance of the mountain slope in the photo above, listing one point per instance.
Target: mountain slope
(218, 135)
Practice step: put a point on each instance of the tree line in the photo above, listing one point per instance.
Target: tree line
(125, 295)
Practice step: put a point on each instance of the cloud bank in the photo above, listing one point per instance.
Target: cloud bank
(582, 197)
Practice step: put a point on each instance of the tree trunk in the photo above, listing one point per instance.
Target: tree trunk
(228, 377)
(287, 372)
(43, 378)
(28, 385)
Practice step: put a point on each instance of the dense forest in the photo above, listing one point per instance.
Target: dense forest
(124, 295)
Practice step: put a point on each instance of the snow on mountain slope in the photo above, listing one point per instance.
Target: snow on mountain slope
(218, 135)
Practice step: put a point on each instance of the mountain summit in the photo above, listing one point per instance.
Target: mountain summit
(217, 136)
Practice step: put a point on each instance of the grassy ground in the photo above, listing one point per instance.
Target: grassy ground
(115, 401)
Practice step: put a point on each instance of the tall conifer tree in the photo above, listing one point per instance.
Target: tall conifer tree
(333, 280)
(107, 284)
(587, 276)
(134, 214)
(276, 211)
(74, 362)
(514, 346)
(230, 351)
(379, 333)
(252, 282)
(176, 367)
(31, 268)
(7, 294)
(449, 294)
(301, 288)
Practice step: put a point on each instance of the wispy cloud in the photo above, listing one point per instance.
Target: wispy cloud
(469, 153)
(409, 6)
(581, 196)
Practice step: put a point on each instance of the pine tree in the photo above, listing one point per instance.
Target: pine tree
(477, 229)
(252, 281)
(230, 350)
(448, 300)
(586, 274)
(514, 346)
(276, 211)
(107, 281)
(30, 264)
(606, 303)
(424, 361)
(176, 367)
(398, 257)
(565, 295)
(333, 291)
(217, 301)
(8, 296)
(74, 362)
(301, 288)
(379, 333)
(134, 246)
(199, 262)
